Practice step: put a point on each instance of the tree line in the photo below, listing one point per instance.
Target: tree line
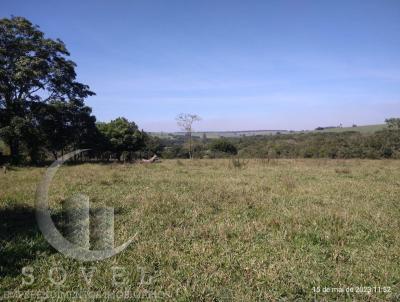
(349, 144)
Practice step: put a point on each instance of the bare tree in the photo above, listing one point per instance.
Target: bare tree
(185, 122)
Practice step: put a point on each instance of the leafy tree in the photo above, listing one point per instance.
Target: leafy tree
(33, 69)
(66, 124)
(393, 123)
(222, 145)
(83, 125)
(122, 135)
(153, 145)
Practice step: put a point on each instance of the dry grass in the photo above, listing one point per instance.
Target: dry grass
(343, 170)
(210, 232)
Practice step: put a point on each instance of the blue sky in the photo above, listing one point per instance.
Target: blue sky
(240, 65)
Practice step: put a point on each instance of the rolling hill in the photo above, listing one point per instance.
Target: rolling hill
(362, 129)
(218, 134)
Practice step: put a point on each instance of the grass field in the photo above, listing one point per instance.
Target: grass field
(210, 231)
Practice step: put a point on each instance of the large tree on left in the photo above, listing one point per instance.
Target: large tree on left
(33, 69)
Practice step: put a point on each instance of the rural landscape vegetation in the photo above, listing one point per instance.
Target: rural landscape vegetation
(268, 215)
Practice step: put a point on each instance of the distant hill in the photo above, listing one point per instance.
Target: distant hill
(218, 134)
(362, 129)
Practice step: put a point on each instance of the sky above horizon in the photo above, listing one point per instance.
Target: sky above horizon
(240, 65)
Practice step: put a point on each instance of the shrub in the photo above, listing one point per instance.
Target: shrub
(387, 152)
(224, 145)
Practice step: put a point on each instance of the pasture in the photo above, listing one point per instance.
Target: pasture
(218, 230)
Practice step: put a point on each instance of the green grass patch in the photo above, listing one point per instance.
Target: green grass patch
(211, 232)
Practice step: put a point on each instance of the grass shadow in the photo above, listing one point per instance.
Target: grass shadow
(21, 241)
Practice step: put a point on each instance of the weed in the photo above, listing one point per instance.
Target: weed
(343, 171)
(238, 163)
(288, 183)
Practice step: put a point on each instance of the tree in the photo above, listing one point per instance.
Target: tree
(393, 123)
(66, 124)
(222, 145)
(122, 135)
(153, 145)
(185, 122)
(83, 125)
(33, 69)
(204, 138)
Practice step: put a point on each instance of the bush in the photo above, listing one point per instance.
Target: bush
(174, 152)
(387, 152)
(222, 145)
